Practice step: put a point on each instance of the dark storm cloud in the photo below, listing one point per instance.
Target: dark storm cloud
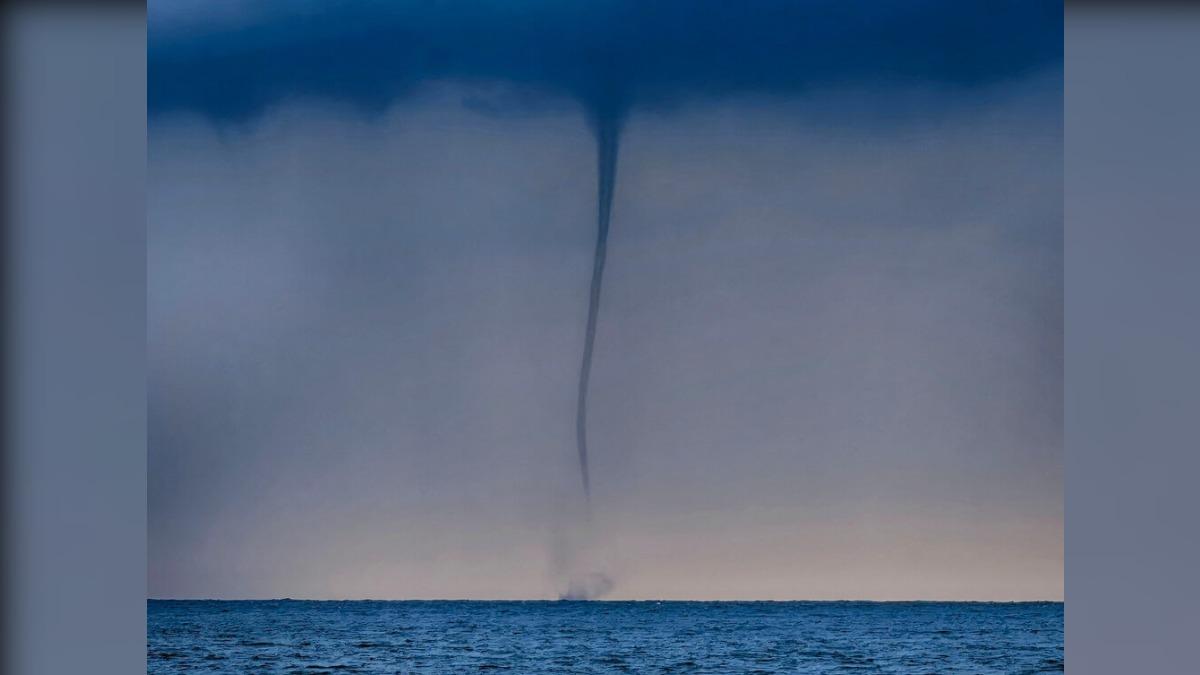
(828, 363)
(609, 55)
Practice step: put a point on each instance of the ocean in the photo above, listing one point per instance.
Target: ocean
(288, 636)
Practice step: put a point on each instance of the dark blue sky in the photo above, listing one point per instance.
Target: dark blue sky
(608, 54)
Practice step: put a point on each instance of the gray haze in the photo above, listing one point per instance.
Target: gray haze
(829, 364)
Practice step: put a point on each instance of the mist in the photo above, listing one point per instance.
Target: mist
(829, 363)
(609, 58)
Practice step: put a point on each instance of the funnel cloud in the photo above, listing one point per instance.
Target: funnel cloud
(607, 130)
(611, 56)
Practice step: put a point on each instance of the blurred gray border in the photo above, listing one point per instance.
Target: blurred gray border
(74, 268)
(74, 479)
(1132, 338)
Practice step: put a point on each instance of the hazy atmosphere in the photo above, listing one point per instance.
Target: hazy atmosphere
(827, 363)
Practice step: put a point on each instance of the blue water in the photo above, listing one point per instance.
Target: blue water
(603, 637)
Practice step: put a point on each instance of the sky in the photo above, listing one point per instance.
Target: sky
(829, 355)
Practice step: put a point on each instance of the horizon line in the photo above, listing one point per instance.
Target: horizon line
(614, 600)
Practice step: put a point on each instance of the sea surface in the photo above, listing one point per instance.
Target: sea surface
(603, 637)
